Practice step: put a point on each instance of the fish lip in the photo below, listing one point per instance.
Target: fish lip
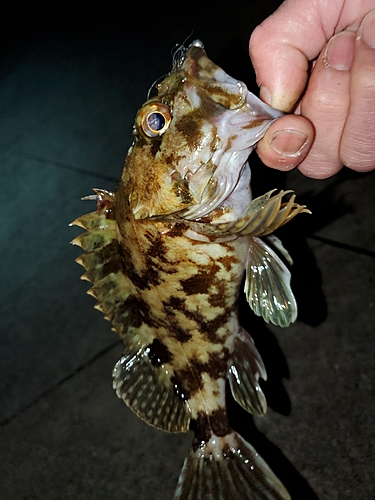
(197, 43)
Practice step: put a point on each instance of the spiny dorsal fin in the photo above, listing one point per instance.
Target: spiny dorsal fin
(145, 385)
(102, 259)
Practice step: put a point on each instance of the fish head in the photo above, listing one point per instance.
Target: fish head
(192, 139)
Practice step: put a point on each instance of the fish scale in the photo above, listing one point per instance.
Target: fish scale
(166, 254)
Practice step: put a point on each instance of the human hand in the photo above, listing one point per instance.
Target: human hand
(337, 40)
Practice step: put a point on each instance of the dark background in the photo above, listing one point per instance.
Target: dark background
(71, 82)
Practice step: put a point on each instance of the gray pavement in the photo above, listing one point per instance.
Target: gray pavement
(69, 90)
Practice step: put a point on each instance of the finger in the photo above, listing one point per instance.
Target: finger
(286, 142)
(326, 105)
(282, 45)
(357, 146)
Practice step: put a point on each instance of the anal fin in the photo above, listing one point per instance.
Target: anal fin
(246, 368)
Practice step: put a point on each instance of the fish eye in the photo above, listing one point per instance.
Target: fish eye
(155, 119)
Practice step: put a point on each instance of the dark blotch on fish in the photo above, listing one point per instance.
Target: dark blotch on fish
(206, 424)
(200, 282)
(159, 353)
(155, 145)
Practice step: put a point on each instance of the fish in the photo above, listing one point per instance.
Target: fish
(166, 254)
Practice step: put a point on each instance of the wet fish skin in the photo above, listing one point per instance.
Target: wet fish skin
(166, 255)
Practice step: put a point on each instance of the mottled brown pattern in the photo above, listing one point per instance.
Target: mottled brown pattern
(201, 282)
(125, 314)
(181, 189)
(189, 378)
(178, 229)
(207, 424)
(228, 261)
(157, 249)
(218, 297)
(209, 328)
(173, 158)
(190, 128)
(113, 265)
(217, 364)
(174, 303)
(155, 145)
(202, 430)
(180, 389)
(219, 422)
(146, 279)
(180, 334)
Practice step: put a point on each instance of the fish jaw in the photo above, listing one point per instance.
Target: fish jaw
(210, 123)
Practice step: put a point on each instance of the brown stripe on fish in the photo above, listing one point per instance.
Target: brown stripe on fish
(202, 280)
(147, 278)
(138, 310)
(189, 379)
(228, 261)
(207, 424)
(156, 250)
(209, 328)
(170, 306)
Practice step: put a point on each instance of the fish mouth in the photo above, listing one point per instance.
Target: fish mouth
(213, 80)
(240, 118)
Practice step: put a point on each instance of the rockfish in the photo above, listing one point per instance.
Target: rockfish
(166, 254)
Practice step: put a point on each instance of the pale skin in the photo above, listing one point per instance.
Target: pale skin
(316, 59)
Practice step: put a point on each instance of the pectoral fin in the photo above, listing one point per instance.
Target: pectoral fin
(148, 389)
(267, 285)
(263, 215)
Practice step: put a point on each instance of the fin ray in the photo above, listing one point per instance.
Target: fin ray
(149, 391)
(246, 368)
(267, 285)
(263, 215)
(230, 466)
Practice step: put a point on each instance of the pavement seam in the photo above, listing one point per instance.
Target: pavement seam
(59, 383)
(61, 164)
(344, 246)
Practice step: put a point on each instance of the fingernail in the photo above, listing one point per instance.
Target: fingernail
(288, 142)
(366, 31)
(339, 53)
(265, 94)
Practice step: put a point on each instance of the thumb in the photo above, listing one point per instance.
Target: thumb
(282, 46)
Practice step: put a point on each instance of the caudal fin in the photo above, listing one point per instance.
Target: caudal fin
(227, 468)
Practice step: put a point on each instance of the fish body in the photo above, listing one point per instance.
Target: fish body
(166, 254)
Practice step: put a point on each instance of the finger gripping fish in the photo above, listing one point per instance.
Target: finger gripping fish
(166, 254)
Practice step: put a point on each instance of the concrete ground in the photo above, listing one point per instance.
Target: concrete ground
(69, 89)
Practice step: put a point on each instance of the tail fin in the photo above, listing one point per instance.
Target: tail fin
(227, 468)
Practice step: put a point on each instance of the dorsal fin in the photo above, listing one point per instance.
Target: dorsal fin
(142, 380)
